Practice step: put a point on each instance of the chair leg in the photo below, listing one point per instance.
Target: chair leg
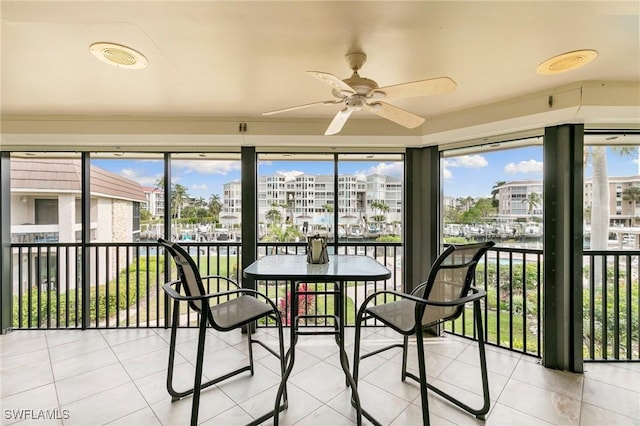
(422, 367)
(175, 395)
(405, 348)
(197, 383)
(250, 343)
(479, 413)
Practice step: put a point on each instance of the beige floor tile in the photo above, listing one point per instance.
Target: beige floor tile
(151, 362)
(590, 415)
(501, 415)
(461, 374)
(137, 347)
(82, 363)
(90, 383)
(612, 398)
(233, 416)
(212, 403)
(143, 417)
(21, 343)
(24, 375)
(300, 405)
(245, 386)
(569, 384)
(552, 407)
(105, 407)
(613, 374)
(17, 407)
(321, 380)
(324, 416)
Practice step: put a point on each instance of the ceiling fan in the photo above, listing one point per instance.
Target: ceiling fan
(357, 93)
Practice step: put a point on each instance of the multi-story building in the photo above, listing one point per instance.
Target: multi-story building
(515, 199)
(520, 199)
(155, 201)
(622, 212)
(308, 199)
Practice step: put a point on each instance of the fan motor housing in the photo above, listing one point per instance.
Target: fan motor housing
(362, 86)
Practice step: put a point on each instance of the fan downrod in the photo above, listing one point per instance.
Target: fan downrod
(355, 60)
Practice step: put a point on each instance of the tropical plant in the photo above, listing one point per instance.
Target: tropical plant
(494, 192)
(533, 201)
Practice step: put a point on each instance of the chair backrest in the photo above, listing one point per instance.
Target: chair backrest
(187, 271)
(450, 278)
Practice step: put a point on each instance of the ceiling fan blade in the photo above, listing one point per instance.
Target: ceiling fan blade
(395, 114)
(278, 111)
(338, 85)
(432, 86)
(338, 121)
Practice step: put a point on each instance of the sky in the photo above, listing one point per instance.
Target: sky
(468, 175)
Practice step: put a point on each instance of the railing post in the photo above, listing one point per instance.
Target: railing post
(563, 205)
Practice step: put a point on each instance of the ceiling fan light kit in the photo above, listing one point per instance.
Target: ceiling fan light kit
(357, 93)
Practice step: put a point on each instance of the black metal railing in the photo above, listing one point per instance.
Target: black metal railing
(124, 284)
(611, 305)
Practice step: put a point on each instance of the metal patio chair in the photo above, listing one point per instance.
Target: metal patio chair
(441, 298)
(236, 308)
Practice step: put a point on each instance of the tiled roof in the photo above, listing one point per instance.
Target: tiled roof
(64, 175)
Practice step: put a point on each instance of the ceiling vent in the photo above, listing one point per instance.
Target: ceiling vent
(566, 62)
(118, 55)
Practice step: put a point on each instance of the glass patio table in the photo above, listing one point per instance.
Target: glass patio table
(339, 270)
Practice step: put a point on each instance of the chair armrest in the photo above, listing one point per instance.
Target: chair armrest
(168, 288)
(220, 277)
(478, 293)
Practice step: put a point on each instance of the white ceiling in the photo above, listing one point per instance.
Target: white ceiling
(215, 63)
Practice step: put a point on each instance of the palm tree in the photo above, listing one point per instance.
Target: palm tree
(632, 195)
(600, 199)
(328, 208)
(215, 206)
(533, 200)
(178, 194)
(494, 192)
(600, 193)
(382, 207)
(273, 215)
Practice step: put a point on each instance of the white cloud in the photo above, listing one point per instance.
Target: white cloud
(212, 167)
(446, 173)
(142, 180)
(388, 169)
(290, 174)
(468, 161)
(524, 167)
(199, 187)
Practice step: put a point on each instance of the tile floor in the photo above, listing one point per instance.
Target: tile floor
(117, 377)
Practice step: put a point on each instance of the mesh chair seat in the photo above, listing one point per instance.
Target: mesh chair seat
(239, 311)
(401, 316)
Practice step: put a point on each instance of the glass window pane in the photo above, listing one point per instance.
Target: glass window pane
(206, 197)
(370, 197)
(126, 197)
(494, 192)
(295, 196)
(612, 191)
